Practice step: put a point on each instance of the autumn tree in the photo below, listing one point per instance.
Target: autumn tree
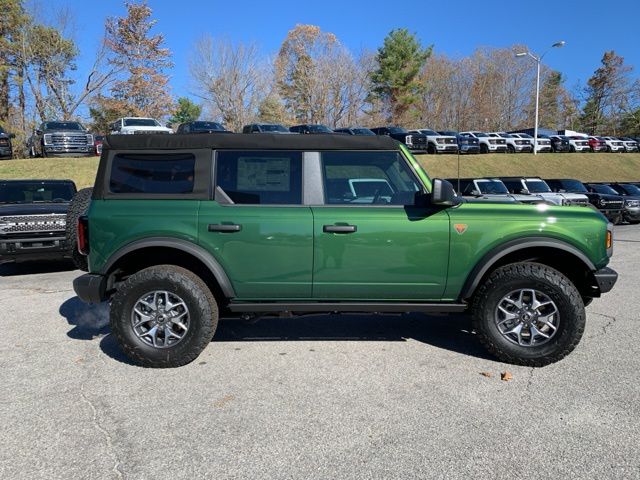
(318, 79)
(396, 78)
(12, 21)
(607, 95)
(142, 87)
(230, 78)
(186, 111)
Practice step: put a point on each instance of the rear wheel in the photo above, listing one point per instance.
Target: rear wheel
(431, 149)
(528, 314)
(77, 208)
(163, 316)
(484, 148)
(511, 149)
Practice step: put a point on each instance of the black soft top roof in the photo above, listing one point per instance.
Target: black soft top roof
(250, 141)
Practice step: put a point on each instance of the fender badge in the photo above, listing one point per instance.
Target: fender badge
(460, 228)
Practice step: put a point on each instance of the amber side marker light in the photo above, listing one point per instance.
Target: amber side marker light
(609, 239)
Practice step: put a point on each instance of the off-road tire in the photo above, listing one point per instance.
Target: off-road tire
(201, 303)
(77, 208)
(546, 280)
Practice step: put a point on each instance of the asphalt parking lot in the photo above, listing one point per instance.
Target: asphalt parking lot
(314, 397)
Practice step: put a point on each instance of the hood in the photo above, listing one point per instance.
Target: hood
(147, 129)
(573, 196)
(66, 130)
(9, 209)
(532, 198)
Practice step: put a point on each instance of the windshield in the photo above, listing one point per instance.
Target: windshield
(480, 134)
(631, 189)
(362, 131)
(526, 135)
(573, 186)
(196, 126)
(537, 186)
(63, 126)
(319, 129)
(272, 128)
(604, 189)
(451, 133)
(141, 122)
(426, 131)
(35, 192)
(491, 186)
(506, 135)
(397, 130)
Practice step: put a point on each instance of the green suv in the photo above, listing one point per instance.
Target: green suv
(180, 230)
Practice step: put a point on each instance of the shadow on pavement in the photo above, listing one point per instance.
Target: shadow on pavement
(448, 332)
(31, 268)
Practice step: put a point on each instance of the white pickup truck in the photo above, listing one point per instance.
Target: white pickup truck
(487, 143)
(438, 143)
(537, 186)
(137, 125)
(514, 144)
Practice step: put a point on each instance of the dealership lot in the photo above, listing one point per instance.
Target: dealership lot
(314, 397)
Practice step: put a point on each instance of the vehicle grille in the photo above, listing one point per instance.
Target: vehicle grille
(501, 141)
(32, 223)
(69, 140)
(613, 204)
(450, 140)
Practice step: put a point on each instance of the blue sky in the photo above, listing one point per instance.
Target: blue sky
(454, 28)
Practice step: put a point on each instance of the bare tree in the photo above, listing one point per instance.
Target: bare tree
(230, 78)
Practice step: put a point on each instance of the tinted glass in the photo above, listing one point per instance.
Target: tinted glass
(537, 186)
(63, 126)
(397, 130)
(35, 192)
(426, 131)
(606, 189)
(631, 189)
(273, 128)
(362, 131)
(269, 178)
(164, 174)
(526, 135)
(514, 186)
(140, 122)
(206, 126)
(572, 186)
(366, 178)
(480, 134)
(448, 132)
(319, 129)
(492, 186)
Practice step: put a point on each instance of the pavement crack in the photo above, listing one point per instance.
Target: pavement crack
(98, 426)
(604, 328)
(530, 379)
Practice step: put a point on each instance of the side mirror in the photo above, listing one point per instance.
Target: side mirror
(443, 193)
(476, 193)
(524, 191)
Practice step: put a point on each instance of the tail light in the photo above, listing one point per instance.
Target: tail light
(83, 235)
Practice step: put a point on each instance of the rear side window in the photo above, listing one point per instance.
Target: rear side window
(260, 177)
(159, 174)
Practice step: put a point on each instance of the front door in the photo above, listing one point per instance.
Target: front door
(370, 242)
(258, 228)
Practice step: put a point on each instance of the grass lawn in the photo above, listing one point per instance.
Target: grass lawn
(584, 166)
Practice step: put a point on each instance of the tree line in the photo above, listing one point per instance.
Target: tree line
(313, 78)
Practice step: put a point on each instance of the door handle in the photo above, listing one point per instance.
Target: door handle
(224, 227)
(339, 228)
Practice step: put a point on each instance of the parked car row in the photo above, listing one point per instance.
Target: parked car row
(619, 202)
(71, 138)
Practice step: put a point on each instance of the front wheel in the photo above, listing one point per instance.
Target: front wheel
(163, 316)
(528, 314)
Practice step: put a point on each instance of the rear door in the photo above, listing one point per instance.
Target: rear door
(257, 226)
(371, 243)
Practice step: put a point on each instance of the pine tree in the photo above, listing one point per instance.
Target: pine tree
(396, 79)
(186, 111)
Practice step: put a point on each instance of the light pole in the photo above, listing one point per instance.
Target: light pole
(538, 60)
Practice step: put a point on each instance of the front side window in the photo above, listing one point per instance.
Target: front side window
(260, 177)
(367, 178)
(152, 173)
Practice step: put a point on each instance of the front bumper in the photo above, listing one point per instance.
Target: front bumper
(497, 148)
(67, 149)
(523, 148)
(605, 278)
(632, 213)
(469, 148)
(446, 148)
(29, 249)
(582, 148)
(91, 288)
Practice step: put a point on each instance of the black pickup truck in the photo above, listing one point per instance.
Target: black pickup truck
(61, 138)
(33, 219)
(413, 141)
(611, 206)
